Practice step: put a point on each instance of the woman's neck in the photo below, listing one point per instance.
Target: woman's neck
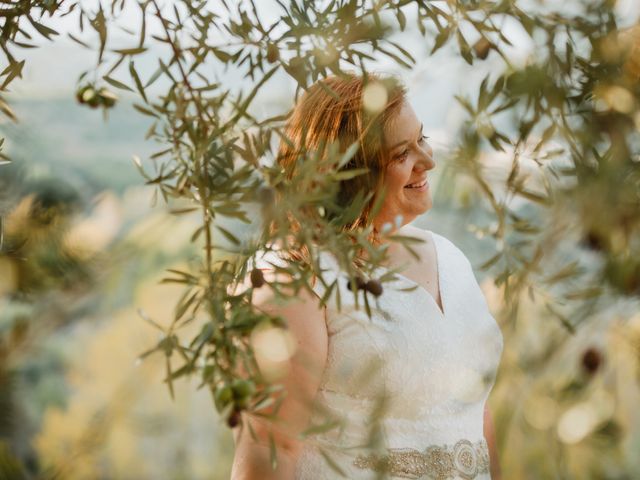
(393, 247)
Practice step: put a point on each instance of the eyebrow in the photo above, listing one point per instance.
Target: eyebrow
(405, 141)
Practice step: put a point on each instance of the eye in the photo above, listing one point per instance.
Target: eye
(403, 155)
(423, 139)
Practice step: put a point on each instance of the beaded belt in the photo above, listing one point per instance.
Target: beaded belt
(464, 459)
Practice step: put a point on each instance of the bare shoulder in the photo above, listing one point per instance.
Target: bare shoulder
(302, 310)
(268, 262)
(300, 374)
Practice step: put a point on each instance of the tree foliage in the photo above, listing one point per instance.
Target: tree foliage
(577, 100)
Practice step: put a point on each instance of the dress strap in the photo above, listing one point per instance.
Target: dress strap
(330, 271)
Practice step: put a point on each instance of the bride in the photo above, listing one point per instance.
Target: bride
(430, 350)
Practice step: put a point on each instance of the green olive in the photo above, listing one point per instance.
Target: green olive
(80, 93)
(242, 389)
(88, 93)
(91, 98)
(107, 98)
(223, 397)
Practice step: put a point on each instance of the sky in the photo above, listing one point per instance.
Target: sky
(53, 67)
(52, 70)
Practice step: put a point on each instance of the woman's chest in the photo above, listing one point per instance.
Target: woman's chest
(437, 356)
(407, 350)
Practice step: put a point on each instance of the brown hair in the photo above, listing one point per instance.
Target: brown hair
(332, 110)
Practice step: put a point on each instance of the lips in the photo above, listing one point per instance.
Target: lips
(418, 184)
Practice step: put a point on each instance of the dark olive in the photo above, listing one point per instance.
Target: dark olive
(266, 196)
(594, 241)
(482, 48)
(360, 283)
(591, 360)
(257, 278)
(234, 418)
(374, 287)
(273, 54)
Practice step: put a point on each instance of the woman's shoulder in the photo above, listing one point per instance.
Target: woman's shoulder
(273, 265)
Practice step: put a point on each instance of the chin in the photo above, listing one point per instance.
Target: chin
(422, 211)
(410, 215)
(423, 208)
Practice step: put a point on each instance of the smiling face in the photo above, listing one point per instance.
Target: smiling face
(409, 158)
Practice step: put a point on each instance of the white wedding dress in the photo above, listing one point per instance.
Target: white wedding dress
(434, 368)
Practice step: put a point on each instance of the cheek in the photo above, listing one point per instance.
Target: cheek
(397, 178)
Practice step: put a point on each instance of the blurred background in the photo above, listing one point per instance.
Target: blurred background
(86, 244)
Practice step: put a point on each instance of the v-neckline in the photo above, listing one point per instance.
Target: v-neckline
(444, 310)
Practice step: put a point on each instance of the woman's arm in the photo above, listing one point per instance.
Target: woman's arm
(489, 435)
(301, 381)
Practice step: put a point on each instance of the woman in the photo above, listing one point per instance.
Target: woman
(406, 388)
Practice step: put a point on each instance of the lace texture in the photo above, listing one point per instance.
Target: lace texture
(464, 459)
(424, 376)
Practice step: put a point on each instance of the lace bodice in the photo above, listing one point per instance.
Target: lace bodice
(434, 370)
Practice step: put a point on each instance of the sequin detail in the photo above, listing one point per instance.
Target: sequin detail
(464, 459)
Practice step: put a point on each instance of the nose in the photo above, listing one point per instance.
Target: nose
(425, 158)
